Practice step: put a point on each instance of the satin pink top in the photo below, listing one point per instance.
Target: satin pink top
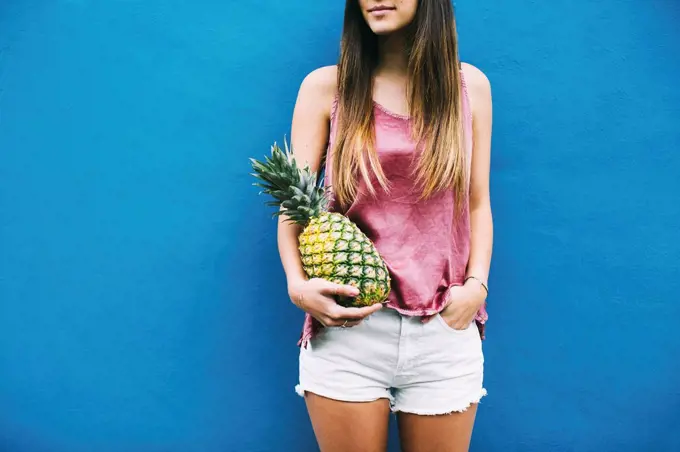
(425, 247)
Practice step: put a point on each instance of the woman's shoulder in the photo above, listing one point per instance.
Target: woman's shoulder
(320, 85)
(478, 86)
(475, 79)
(324, 77)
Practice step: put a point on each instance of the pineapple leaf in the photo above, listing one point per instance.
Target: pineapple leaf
(293, 189)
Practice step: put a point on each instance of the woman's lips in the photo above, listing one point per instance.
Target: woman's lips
(381, 9)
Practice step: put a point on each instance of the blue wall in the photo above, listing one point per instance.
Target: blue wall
(143, 307)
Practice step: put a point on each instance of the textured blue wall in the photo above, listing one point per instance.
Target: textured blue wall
(143, 306)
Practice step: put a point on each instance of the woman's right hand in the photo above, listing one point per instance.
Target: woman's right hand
(315, 296)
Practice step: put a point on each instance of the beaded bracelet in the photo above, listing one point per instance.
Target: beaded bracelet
(480, 281)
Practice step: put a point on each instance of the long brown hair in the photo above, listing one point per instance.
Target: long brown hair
(434, 99)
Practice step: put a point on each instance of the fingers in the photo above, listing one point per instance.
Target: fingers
(342, 323)
(360, 313)
(339, 312)
(340, 289)
(458, 323)
(347, 317)
(426, 318)
(460, 326)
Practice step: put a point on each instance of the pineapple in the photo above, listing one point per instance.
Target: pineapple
(331, 246)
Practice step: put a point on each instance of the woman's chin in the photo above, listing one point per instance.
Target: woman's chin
(383, 29)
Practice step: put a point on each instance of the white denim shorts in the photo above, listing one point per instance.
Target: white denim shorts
(422, 368)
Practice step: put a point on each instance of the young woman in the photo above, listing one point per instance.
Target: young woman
(403, 130)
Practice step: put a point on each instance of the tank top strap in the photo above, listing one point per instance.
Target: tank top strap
(467, 115)
(334, 108)
(467, 111)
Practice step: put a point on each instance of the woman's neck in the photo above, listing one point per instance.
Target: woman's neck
(393, 59)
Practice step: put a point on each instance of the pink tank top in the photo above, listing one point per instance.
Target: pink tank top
(425, 249)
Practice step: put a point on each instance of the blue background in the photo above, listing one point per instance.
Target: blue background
(143, 305)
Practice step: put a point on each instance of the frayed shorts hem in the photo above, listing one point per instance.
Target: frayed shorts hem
(333, 395)
(456, 408)
(330, 394)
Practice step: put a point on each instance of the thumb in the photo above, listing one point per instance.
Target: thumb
(360, 313)
(332, 288)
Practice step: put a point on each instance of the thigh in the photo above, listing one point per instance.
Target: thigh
(349, 426)
(442, 433)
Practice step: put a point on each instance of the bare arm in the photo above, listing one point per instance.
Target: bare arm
(309, 136)
(309, 139)
(481, 221)
(465, 301)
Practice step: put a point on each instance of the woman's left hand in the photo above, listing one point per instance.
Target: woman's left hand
(463, 303)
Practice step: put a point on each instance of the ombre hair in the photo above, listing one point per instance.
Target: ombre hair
(434, 99)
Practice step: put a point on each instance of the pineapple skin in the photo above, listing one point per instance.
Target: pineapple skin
(335, 249)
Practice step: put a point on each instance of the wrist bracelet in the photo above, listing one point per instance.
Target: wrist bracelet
(480, 282)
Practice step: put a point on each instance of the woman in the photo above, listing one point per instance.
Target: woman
(407, 129)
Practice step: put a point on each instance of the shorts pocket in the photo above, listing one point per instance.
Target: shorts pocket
(449, 328)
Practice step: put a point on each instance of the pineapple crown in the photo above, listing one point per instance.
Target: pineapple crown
(294, 189)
